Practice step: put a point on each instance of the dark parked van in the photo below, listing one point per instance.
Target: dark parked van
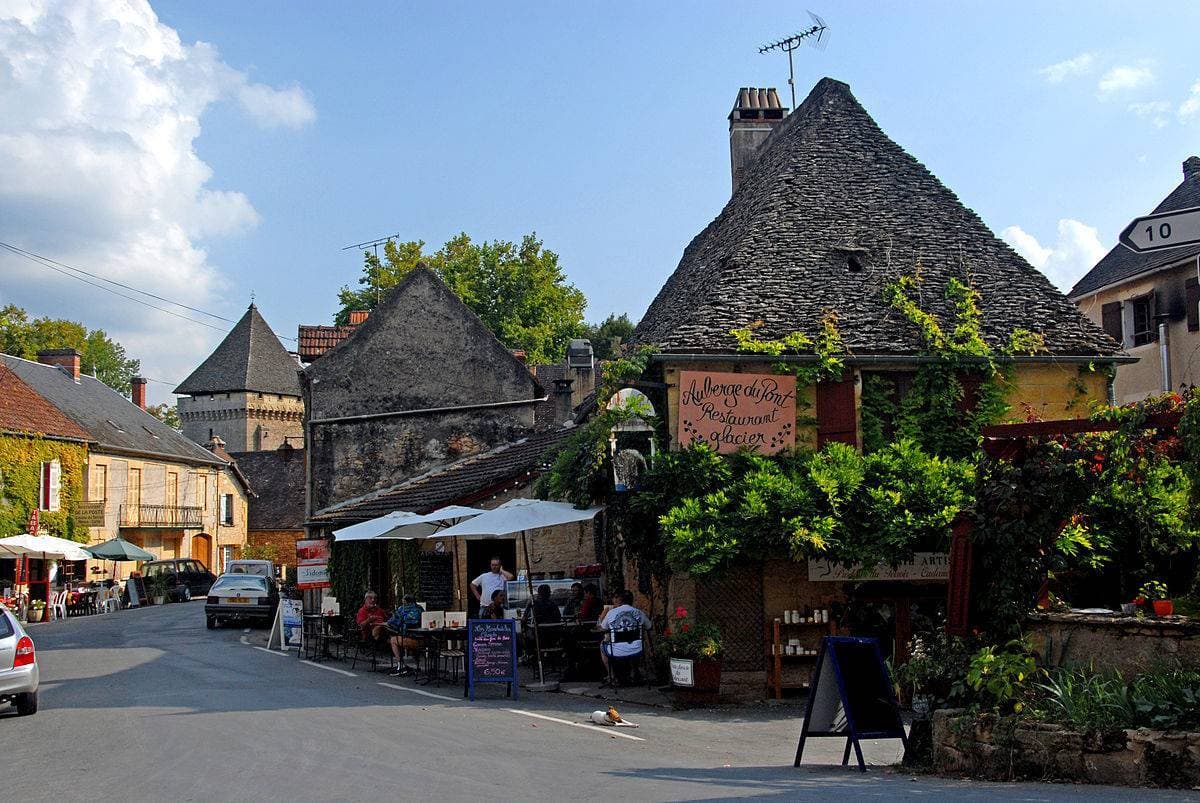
(187, 578)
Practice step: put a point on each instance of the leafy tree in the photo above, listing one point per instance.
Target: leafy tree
(166, 413)
(604, 335)
(519, 291)
(101, 356)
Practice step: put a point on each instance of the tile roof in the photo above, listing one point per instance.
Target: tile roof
(110, 420)
(316, 340)
(23, 410)
(831, 211)
(250, 358)
(277, 476)
(457, 482)
(1120, 263)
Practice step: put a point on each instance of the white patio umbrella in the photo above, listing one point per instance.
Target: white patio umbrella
(403, 525)
(47, 546)
(522, 515)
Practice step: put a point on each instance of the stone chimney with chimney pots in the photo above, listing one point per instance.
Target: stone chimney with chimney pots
(138, 391)
(564, 404)
(66, 360)
(1191, 167)
(581, 368)
(357, 316)
(755, 115)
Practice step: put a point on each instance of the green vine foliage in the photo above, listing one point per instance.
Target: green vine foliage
(349, 572)
(1101, 513)
(20, 466)
(836, 503)
(826, 346)
(962, 390)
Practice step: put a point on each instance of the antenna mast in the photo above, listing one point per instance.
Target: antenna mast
(814, 36)
(374, 244)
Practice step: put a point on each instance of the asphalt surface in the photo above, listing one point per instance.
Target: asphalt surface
(147, 705)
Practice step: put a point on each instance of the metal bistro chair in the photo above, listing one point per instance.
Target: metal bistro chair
(620, 667)
(364, 649)
(313, 636)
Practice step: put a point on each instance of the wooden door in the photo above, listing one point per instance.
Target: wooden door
(202, 549)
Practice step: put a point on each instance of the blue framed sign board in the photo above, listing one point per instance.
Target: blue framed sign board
(851, 696)
(492, 654)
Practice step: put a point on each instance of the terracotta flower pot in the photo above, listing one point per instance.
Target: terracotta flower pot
(1163, 607)
(706, 676)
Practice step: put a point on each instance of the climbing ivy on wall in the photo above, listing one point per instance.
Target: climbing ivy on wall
(21, 460)
(937, 412)
(349, 570)
(827, 347)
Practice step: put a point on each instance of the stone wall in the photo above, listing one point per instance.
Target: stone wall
(985, 747)
(245, 421)
(284, 542)
(1122, 643)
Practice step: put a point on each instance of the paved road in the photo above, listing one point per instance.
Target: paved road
(147, 705)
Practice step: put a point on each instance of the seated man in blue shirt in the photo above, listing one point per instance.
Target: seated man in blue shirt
(406, 616)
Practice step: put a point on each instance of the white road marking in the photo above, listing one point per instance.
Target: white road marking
(594, 728)
(420, 692)
(329, 668)
(269, 652)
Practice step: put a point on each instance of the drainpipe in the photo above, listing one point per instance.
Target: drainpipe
(1164, 356)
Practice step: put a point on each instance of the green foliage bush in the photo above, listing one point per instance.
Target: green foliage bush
(1165, 697)
(835, 503)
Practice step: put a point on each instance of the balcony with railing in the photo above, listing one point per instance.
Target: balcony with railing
(169, 517)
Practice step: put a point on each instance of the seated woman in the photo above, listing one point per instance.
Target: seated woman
(589, 608)
(495, 610)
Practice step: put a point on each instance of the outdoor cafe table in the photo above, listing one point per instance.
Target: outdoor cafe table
(434, 638)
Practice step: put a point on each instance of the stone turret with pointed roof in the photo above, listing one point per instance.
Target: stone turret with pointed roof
(827, 212)
(247, 392)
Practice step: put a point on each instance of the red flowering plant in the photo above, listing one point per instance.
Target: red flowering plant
(684, 638)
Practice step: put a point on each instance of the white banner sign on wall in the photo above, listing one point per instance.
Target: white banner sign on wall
(314, 576)
(923, 566)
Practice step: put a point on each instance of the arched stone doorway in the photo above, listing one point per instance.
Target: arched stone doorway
(202, 549)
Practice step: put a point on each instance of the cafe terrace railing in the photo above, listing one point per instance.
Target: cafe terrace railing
(175, 517)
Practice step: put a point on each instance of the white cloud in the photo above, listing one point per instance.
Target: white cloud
(277, 107)
(1125, 77)
(1155, 111)
(1076, 249)
(100, 108)
(1082, 64)
(1191, 107)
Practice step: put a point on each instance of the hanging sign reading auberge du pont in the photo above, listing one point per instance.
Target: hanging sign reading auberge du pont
(735, 411)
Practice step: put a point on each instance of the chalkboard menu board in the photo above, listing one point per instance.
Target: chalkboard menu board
(135, 591)
(436, 577)
(491, 653)
(850, 696)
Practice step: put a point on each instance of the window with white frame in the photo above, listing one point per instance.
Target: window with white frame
(226, 557)
(227, 508)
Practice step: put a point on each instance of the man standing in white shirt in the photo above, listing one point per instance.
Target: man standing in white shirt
(488, 583)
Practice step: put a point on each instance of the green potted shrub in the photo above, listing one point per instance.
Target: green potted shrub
(699, 642)
(1155, 592)
(157, 587)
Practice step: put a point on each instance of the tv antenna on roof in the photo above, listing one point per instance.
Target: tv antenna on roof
(815, 37)
(374, 244)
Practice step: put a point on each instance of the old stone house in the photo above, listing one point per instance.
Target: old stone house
(143, 480)
(1150, 304)
(827, 210)
(420, 407)
(246, 392)
(276, 514)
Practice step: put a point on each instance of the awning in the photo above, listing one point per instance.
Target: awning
(402, 524)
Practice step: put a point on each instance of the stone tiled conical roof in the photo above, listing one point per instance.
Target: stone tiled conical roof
(250, 358)
(828, 215)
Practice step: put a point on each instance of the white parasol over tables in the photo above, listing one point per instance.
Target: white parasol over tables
(520, 516)
(46, 547)
(402, 524)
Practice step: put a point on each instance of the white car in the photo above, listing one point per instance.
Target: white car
(18, 665)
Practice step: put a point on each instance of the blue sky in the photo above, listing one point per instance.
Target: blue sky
(599, 126)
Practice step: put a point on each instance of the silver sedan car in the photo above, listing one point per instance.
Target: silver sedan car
(18, 665)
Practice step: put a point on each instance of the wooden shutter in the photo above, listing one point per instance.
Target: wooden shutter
(48, 496)
(1110, 316)
(1193, 304)
(837, 416)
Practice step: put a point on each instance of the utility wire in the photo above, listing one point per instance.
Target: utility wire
(80, 274)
